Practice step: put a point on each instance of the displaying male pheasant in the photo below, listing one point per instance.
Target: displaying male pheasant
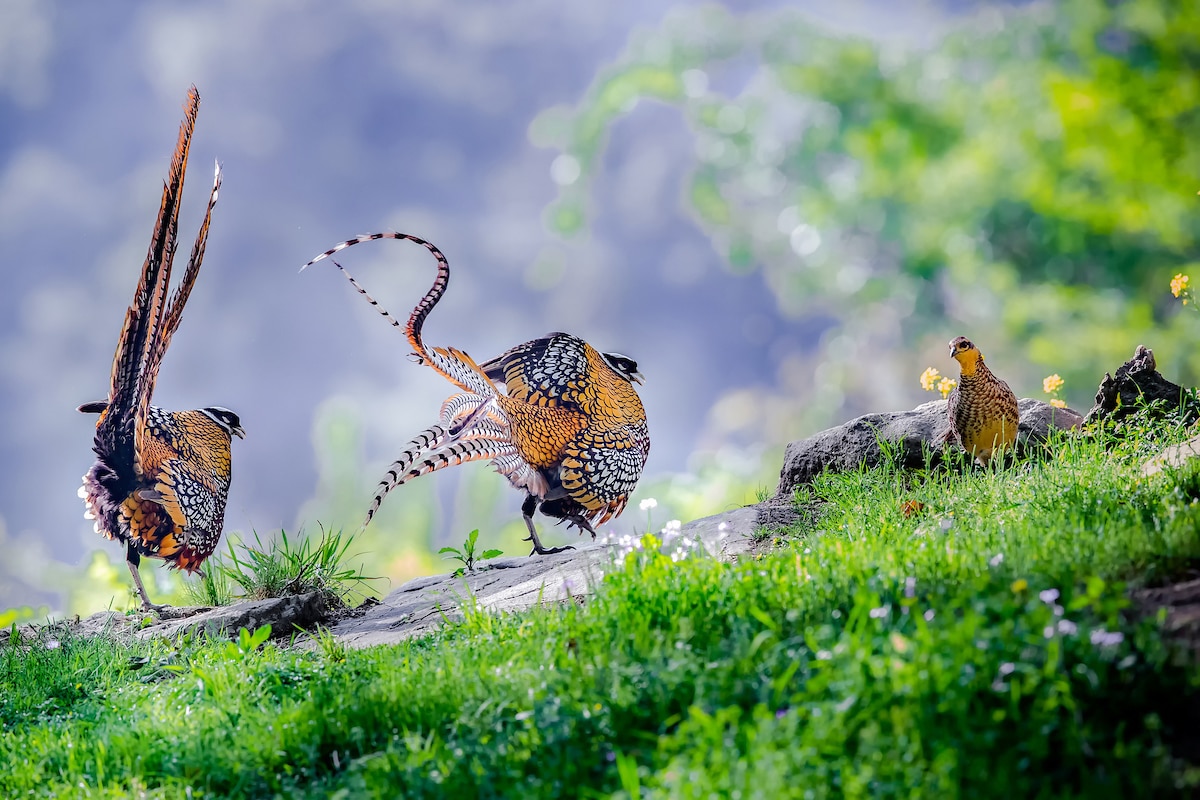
(983, 410)
(161, 477)
(568, 427)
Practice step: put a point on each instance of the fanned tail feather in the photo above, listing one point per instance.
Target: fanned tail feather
(131, 383)
(464, 418)
(174, 310)
(475, 448)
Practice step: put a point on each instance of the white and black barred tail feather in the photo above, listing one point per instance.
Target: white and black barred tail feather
(432, 437)
(448, 362)
(461, 452)
(432, 450)
(426, 304)
(520, 474)
(460, 420)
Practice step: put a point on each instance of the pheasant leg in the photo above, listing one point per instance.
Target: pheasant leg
(132, 559)
(527, 509)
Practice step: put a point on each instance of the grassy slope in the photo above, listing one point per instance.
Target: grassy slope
(884, 654)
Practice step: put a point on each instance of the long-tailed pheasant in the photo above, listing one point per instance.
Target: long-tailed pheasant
(568, 428)
(161, 477)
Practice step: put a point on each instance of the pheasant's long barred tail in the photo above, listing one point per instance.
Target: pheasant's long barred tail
(173, 314)
(161, 478)
(425, 305)
(461, 452)
(464, 418)
(129, 377)
(568, 428)
(432, 450)
(453, 364)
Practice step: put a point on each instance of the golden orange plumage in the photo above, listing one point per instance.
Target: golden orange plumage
(161, 478)
(568, 427)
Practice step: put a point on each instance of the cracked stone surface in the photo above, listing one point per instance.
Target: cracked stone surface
(283, 614)
(514, 584)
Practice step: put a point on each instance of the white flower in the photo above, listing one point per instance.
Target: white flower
(996, 560)
(648, 504)
(930, 614)
(673, 526)
(881, 612)
(1067, 628)
(1048, 596)
(1105, 638)
(1007, 668)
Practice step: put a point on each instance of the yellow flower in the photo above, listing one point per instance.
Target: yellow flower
(1052, 384)
(928, 378)
(1019, 585)
(946, 385)
(1058, 403)
(1179, 284)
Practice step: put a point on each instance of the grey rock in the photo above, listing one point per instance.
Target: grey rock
(1138, 383)
(914, 436)
(514, 584)
(1173, 457)
(283, 614)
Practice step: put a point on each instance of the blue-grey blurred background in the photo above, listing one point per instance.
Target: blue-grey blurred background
(781, 211)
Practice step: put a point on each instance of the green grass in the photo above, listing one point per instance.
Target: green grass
(982, 646)
(281, 568)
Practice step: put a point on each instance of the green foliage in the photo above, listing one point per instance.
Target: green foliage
(246, 643)
(468, 555)
(284, 567)
(984, 646)
(330, 646)
(213, 588)
(1049, 153)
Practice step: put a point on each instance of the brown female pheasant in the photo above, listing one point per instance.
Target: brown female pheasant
(983, 410)
(161, 477)
(568, 427)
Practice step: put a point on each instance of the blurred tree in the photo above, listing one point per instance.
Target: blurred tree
(1028, 180)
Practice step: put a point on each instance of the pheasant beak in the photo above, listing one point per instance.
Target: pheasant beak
(637, 377)
(238, 431)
